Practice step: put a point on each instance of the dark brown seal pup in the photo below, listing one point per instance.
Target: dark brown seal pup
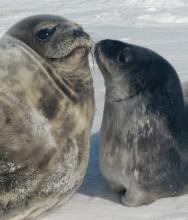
(144, 133)
(46, 113)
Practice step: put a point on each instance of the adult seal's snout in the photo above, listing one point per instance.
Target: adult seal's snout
(46, 113)
(80, 33)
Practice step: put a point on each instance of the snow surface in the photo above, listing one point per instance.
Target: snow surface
(161, 25)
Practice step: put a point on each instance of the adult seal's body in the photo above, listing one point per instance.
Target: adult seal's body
(46, 112)
(144, 141)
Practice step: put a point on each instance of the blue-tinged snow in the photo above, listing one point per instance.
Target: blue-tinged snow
(161, 25)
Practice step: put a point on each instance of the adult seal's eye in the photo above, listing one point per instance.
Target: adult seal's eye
(45, 34)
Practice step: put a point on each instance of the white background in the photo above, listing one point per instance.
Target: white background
(161, 25)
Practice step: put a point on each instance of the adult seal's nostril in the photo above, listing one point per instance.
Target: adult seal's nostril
(79, 33)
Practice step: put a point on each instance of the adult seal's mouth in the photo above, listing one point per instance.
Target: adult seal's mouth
(80, 46)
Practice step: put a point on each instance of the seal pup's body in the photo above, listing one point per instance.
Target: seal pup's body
(46, 113)
(144, 141)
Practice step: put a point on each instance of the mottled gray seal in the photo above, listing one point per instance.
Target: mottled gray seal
(144, 133)
(46, 113)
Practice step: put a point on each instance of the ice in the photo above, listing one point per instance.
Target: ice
(161, 25)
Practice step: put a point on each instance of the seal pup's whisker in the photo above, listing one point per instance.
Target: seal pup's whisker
(93, 62)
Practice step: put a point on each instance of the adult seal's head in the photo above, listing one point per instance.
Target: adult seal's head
(46, 113)
(56, 39)
(143, 134)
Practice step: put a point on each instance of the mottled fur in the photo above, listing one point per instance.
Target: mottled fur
(45, 126)
(144, 141)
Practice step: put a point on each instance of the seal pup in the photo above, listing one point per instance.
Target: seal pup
(46, 113)
(144, 141)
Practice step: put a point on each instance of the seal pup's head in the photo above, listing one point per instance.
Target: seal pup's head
(129, 70)
(135, 73)
(56, 39)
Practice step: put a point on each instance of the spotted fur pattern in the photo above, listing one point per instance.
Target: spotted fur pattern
(44, 133)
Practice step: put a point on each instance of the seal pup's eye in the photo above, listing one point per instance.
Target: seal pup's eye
(125, 58)
(44, 34)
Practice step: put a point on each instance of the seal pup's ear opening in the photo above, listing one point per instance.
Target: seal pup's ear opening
(125, 57)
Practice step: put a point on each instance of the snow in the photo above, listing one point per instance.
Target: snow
(161, 25)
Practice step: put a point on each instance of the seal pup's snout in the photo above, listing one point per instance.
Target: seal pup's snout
(111, 48)
(104, 47)
(111, 55)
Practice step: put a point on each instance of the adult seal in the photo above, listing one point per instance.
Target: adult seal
(46, 113)
(144, 141)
